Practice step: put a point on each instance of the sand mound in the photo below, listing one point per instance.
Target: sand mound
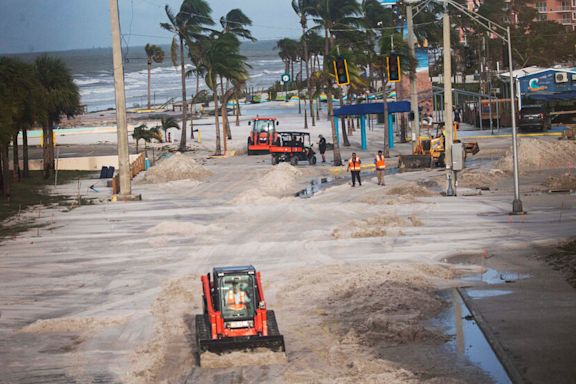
(73, 324)
(565, 181)
(377, 226)
(280, 179)
(480, 178)
(276, 182)
(410, 189)
(259, 356)
(180, 228)
(538, 154)
(177, 167)
(169, 349)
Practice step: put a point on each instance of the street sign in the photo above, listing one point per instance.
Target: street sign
(285, 78)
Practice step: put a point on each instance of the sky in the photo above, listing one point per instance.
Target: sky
(60, 25)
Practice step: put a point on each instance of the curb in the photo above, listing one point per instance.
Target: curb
(498, 349)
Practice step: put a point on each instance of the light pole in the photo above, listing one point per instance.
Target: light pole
(122, 131)
(504, 34)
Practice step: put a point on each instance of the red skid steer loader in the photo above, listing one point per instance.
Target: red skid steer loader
(235, 315)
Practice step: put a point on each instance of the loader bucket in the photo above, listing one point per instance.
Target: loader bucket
(414, 161)
(472, 148)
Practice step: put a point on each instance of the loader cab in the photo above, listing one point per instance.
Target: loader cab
(235, 294)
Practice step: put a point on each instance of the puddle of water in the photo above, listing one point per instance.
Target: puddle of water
(492, 276)
(467, 338)
(482, 293)
(314, 187)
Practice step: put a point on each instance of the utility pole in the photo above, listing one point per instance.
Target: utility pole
(122, 129)
(448, 115)
(413, 88)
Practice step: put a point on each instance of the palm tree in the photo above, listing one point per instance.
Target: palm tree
(221, 58)
(167, 122)
(235, 22)
(332, 15)
(142, 132)
(61, 97)
(188, 26)
(153, 54)
(302, 8)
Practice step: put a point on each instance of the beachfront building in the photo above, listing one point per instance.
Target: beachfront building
(560, 11)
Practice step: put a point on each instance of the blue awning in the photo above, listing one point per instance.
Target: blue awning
(372, 108)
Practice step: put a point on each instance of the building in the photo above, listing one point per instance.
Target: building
(559, 11)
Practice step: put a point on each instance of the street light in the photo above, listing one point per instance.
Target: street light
(504, 34)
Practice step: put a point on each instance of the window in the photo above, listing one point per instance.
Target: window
(566, 18)
(263, 125)
(541, 6)
(237, 296)
(542, 17)
(565, 5)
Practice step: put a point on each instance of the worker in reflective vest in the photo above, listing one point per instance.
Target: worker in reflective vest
(354, 168)
(236, 299)
(380, 167)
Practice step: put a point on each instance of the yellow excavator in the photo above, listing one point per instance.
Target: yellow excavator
(430, 150)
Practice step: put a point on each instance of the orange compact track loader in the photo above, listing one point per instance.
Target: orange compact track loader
(235, 315)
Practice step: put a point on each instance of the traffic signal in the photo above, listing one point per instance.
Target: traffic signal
(393, 68)
(341, 71)
(469, 58)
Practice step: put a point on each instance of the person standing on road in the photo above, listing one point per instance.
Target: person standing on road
(322, 147)
(380, 167)
(354, 165)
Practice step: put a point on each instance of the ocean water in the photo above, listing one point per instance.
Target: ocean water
(92, 71)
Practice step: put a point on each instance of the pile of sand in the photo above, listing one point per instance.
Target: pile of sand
(280, 179)
(377, 226)
(562, 182)
(410, 189)
(73, 324)
(177, 167)
(181, 228)
(539, 154)
(169, 350)
(277, 182)
(480, 178)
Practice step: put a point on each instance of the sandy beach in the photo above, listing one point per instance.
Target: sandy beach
(358, 278)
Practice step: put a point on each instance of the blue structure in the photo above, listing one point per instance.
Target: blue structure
(548, 85)
(371, 108)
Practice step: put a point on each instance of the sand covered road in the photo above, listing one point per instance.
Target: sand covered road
(106, 293)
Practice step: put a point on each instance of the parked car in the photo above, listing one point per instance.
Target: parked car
(534, 117)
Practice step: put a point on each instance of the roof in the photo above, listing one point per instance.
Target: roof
(264, 118)
(529, 71)
(234, 269)
(372, 108)
(293, 132)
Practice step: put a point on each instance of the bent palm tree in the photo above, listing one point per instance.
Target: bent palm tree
(222, 59)
(235, 22)
(153, 54)
(188, 25)
(167, 122)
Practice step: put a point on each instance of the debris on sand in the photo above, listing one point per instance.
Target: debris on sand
(258, 356)
(563, 259)
(74, 324)
(177, 167)
(565, 181)
(539, 154)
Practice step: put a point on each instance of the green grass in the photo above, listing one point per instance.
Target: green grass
(30, 192)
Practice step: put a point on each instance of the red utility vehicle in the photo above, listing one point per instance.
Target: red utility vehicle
(262, 136)
(235, 315)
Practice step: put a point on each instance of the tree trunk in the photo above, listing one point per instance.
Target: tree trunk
(345, 140)
(149, 70)
(218, 151)
(237, 108)
(182, 147)
(5, 169)
(337, 156)
(305, 115)
(308, 82)
(385, 101)
(15, 157)
(51, 146)
(45, 153)
(26, 165)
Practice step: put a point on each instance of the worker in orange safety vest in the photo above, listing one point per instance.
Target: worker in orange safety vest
(236, 298)
(354, 167)
(380, 167)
